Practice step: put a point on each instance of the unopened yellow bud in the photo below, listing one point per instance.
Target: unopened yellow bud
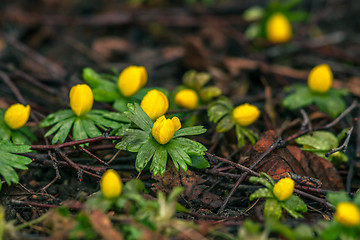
(347, 214)
(187, 98)
(111, 184)
(131, 80)
(81, 99)
(163, 129)
(320, 78)
(17, 115)
(278, 28)
(284, 188)
(245, 114)
(155, 104)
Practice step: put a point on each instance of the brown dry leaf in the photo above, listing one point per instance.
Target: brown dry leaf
(196, 55)
(110, 46)
(354, 86)
(103, 226)
(60, 226)
(292, 159)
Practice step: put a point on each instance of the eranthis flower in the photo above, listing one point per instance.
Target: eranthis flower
(245, 114)
(163, 129)
(347, 214)
(81, 99)
(111, 184)
(320, 78)
(154, 104)
(17, 115)
(187, 98)
(131, 79)
(284, 188)
(278, 28)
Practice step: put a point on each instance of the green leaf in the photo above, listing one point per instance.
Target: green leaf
(253, 31)
(330, 104)
(267, 176)
(296, 203)
(253, 13)
(189, 146)
(321, 140)
(120, 104)
(291, 211)
(262, 181)
(337, 197)
(92, 78)
(250, 135)
(225, 124)
(261, 193)
(195, 130)
(103, 95)
(356, 199)
(134, 185)
(79, 132)
(5, 131)
(116, 116)
(57, 117)
(159, 161)
(18, 138)
(199, 162)
(10, 160)
(137, 115)
(272, 209)
(63, 131)
(219, 109)
(101, 121)
(178, 156)
(90, 128)
(300, 98)
(208, 93)
(146, 152)
(26, 131)
(133, 139)
(239, 135)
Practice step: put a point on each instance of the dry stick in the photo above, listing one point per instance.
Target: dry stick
(343, 146)
(306, 122)
(13, 87)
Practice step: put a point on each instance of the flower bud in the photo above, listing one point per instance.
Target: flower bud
(284, 188)
(245, 114)
(278, 28)
(163, 129)
(111, 184)
(155, 104)
(17, 115)
(320, 78)
(81, 99)
(347, 214)
(131, 79)
(187, 98)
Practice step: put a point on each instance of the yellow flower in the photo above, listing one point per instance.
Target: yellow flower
(284, 188)
(347, 214)
(17, 115)
(164, 129)
(278, 28)
(245, 114)
(81, 99)
(111, 184)
(187, 98)
(131, 80)
(155, 104)
(320, 78)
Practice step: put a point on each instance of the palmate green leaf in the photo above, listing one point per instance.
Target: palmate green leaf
(208, 93)
(79, 132)
(300, 98)
(272, 209)
(57, 117)
(320, 140)
(120, 104)
(10, 160)
(5, 131)
(239, 135)
(145, 154)
(18, 137)
(133, 139)
(252, 136)
(199, 162)
(261, 193)
(337, 197)
(90, 128)
(225, 124)
(295, 203)
(116, 116)
(104, 95)
(219, 109)
(178, 156)
(189, 146)
(159, 161)
(330, 104)
(97, 117)
(291, 211)
(187, 131)
(63, 130)
(262, 181)
(137, 115)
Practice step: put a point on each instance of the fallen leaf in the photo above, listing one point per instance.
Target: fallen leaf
(103, 226)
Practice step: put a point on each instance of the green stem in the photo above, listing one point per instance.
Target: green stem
(32, 222)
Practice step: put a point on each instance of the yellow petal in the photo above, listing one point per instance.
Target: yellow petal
(284, 188)
(155, 104)
(177, 123)
(278, 28)
(347, 214)
(111, 184)
(320, 78)
(81, 99)
(131, 80)
(17, 115)
(245, 114)
(163, 129)
(187, 98)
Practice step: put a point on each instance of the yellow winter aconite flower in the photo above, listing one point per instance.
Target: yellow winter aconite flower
(347, 214)
(245, 114)
(155, 104)
(131, 80)
(17, 115)
(278, 28)
(187, 98)
(81, 99)
(164, 129)
(111, 184)
(320, 78)
(284, 188)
